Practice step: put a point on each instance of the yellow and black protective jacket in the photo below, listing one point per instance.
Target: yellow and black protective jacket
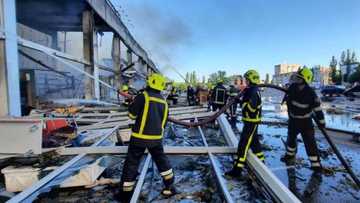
(233, 91)
(219, 95)
(251, 105)
(150, 112)
(302, 103)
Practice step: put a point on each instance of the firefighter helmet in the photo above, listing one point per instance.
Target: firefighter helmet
(156, 81)
(306, 74)
(252, 76)
(125, 88)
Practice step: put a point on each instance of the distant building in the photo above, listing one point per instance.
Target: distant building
(348, 69)
(283, 73)
(321, 75)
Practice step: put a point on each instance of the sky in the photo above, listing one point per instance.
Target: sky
(235, 35)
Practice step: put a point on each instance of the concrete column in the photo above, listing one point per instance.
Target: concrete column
(9, 66)
(129, 57)
(116, 56)
(90, 46)
(95, 67)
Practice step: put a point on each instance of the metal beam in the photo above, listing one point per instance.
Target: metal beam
(123, 150)
(27, 193)
(38, 47)
(217, 170)
(279, 191)
(109, 14)
(140, 182)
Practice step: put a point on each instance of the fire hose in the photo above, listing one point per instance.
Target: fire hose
(223, 109)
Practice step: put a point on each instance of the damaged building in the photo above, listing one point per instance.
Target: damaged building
(64, 131)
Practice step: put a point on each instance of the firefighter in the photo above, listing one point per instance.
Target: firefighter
(232, 93)
(150, 111)
(209, 97)
(302, 102)
(191, 95)
(251, 117)
(173, 96)
(218, 96)
(125, 89)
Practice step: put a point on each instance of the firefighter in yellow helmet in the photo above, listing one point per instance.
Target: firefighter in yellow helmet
(251, 117)
(125, 90)
(302, 102)
(150, 112)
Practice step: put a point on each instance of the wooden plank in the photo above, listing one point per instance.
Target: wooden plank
(279, 191)
(123, 150)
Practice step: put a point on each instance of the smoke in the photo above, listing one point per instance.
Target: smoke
(161, 34)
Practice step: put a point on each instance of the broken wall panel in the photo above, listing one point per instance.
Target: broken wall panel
(21, 136)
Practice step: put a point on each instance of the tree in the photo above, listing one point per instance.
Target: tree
(267, 78)
(203, 79)
(333, 71)
(353, 57)
(193, 79)
(220, 75)
(342, 58)
(187, 77)
(348, 57)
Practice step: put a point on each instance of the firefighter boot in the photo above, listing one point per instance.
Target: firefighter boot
(288, 159)
(169, 191)
(123, 197)
(235, 172)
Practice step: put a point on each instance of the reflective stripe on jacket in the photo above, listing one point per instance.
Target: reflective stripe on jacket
(303, 103)
(251, 105)
(150, 112)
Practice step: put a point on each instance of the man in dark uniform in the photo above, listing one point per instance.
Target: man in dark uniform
(218, 96)
(173, 96)
(150, 111)
(191, 95)
(232, 93)
(251, 117)
(302, 102)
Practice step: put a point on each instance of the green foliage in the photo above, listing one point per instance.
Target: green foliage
(348, 57)
(220, 75)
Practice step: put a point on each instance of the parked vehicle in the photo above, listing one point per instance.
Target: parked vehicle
(354, 91)
(332, 90)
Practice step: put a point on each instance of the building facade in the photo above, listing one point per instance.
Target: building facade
(321, 76)
(283, 73)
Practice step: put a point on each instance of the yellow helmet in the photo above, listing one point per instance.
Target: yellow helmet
(125, 88)
(306, 74)
(252, 76)
(156, 81)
